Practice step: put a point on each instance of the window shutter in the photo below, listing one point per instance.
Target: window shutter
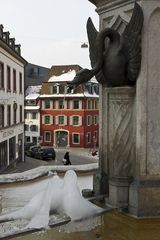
(65, 120)
(80, 121)
(80, 104)
(56, 120)
(65, 104)
(42, 119)
(56, 104)
(51, 104)
(71, 104)
(71, 120)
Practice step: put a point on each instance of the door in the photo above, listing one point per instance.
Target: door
(61, 138)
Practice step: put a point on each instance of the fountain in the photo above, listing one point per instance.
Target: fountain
(63, 200)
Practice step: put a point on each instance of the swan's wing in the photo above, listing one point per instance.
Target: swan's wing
(131, 43)
(92, 36)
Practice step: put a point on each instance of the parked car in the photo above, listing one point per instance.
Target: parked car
(46, 153)
(27, 146)
(32, 151)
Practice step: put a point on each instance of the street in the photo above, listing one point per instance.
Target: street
(77, 157)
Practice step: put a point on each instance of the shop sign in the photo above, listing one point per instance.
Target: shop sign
(8, 133)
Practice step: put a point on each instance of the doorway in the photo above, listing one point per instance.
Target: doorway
(61, 138)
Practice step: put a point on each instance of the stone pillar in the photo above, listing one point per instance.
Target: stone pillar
(120, 143)
(145, 190)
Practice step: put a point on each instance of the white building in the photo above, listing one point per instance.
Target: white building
(32, 114)
(11, 101)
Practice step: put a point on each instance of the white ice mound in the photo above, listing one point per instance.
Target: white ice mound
(62, 196)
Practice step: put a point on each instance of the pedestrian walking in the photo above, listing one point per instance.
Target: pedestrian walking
(66, 159)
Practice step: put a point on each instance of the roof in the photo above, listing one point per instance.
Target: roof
(65, 76)
(60, 70)
(31, 107)
(32, 92)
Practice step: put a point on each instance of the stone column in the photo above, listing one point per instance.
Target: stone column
(145, 190)
(120, 138)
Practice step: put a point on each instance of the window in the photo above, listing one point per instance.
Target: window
(75, 104)
(1, 116)
(8, 115)
(61, 104)
(20, 82)
(47, 119)
(26, 127)
(95, 137)
(88, 137)
(76, 138)
(96, 89)
(89, 88)
(34, 128)
(61, 120)
(89, 120)
(47, 103)
(95, 104)
(95, 119)
(55, 89)
(20, 113)
(75, 120)
(61, 89)
(34, 140)
(1, 75)
(27, 139)
(8, 78)
(88, 104)
(34, 115)
(14, 81)
(47, 136)
(15, 113)
(26, 114)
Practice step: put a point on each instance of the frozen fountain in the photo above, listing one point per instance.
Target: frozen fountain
(61, 201)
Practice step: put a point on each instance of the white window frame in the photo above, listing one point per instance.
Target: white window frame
(79, 136)
(45, 136)
(89, 120)
(95, 119)
(88, 137)
(51, 119)
(64, 120)
(79, 120)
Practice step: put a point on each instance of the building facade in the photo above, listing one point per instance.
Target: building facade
(11, 101)
(68, 119)
(34, 74)
(32, 114)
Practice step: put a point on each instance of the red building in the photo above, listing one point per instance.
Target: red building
(68, 119)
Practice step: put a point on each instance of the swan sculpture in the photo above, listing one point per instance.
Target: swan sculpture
(116, 61)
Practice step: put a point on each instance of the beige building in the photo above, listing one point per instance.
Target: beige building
(11, 101)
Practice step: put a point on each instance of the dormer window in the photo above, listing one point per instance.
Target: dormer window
(89, 88)
(55, 89)
(61, 89)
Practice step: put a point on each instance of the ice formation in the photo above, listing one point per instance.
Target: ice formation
(61, 196)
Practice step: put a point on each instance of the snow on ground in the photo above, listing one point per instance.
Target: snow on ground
(45, 170)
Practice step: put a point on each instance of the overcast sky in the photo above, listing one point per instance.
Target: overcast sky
(50, 31)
